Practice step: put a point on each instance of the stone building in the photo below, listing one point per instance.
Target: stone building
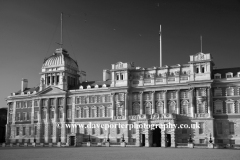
(192, 93)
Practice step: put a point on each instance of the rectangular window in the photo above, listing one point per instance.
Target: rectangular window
(231, 128)
(78, 113)
(36, 115)
(17, 104)
(17, 131)
(51, 130)
(25, 116)
(85, 129)
(85, 113)
(118, 129)
(202, 141)
(77, 100)
(134, 140)
(101, 112)
(30, 130)
(60, 113)
(18, 116)
(35, 103)
(24, 131)
(219, 141)
(109, 112)
(10, 117)
(101, 130)
(93, 130)
(60, 101)
(118, 140)
(184, 131)
(29, 104)
(44, 112)
(230, 107)
(232, 141)
(184, 141)
(52, 114)
(217, 92)
(201, 129)
(52, 102)
(219, 128)
(35, 130)
(133, 130)
(69, 114)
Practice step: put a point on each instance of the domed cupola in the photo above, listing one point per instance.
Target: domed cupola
(59, 70)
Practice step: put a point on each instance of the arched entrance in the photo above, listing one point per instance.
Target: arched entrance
(156, 135)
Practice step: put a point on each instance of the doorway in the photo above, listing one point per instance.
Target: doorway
(143, 139)
(156, 135)
(168, 140)
(72, 140)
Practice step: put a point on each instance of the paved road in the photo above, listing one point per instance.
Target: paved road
(117, 153)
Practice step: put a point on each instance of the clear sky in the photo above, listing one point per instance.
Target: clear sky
(98, 33)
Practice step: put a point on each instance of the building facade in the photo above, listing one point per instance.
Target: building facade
(188, 94)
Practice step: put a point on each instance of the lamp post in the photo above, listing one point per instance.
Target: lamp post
(108, 140)
(210, 139)
(190, 138)
(123, 138)
(89, 139)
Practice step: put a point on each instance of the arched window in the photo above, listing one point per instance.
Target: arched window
(136, 109)
(184, 107)
(147, 108)
(171, 107)
(159, 107)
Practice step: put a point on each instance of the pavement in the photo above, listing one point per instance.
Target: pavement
(116, 153)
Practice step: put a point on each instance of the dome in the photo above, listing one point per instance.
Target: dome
(60, 58)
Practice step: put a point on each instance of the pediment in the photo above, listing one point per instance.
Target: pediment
(51, 90)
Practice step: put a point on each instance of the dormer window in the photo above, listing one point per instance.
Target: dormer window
(217, 76)
(229, 75)
(238, 74)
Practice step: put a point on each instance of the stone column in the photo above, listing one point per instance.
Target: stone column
(39, 124)
(14, 113)
(147, 137)
(178, 101)
(55, 79)
(209, 102)
(50, 79)
(32, 122)
(63, 127)
(141, 102)
(165, 102)
(138, 137)
(55, 123)
(191, 100)
(173, 139)
(126, 105)
(153, 102)
(113, 105)
(163, 138)
(73, 129)
(46, 125)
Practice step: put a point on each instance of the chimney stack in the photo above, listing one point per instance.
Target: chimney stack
(24, 84)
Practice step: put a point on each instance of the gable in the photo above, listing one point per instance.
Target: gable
(50, 91)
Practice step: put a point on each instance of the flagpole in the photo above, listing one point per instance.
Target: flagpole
(201, 42)
(61, 43)
(160, 41)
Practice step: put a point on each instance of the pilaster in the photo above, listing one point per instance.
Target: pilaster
(126, 105)
(141, 102)
(153, 102)
(178, 101)
(165, 102)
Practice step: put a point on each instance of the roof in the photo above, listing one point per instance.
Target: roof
(60, 58)
(27, 90)
(223, 71)
(93, 83)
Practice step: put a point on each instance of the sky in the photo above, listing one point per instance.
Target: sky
(98, 33)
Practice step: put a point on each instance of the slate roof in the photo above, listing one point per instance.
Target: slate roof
(223, 71)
